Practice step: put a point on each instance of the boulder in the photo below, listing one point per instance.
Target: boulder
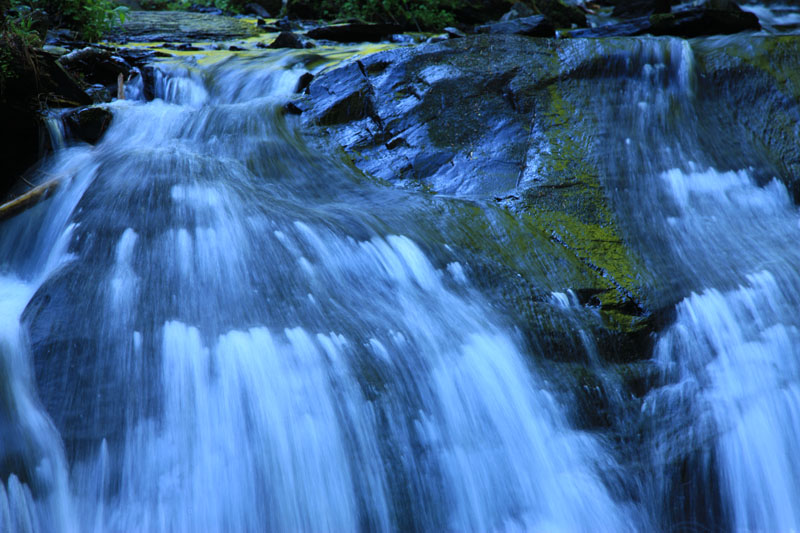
(699, 22)
(533, 26)
(286, 39)
(341, 96)
(355, 32)
(256, 9)
(271, 6)
(687, 23)
(89, 123)
(454, 33)
(95, 65)
(637, 26)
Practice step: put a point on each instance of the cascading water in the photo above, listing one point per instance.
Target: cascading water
(725, 421)
(232, 333)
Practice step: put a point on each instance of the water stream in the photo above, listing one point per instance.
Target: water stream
(213, 327)
(234, 333)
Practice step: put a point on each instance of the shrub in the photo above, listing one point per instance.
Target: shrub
(89, 18)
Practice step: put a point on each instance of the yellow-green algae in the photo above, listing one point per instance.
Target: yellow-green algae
(571, 205)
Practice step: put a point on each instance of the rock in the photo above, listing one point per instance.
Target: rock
(518, 10)
(95, 65)
(534, 26)
(99, 93)
(89, 123)
(698, 22)
(354, 32)
(638, 26)
(291, 108)
(342, 96)
(54, 50)
(561, 14)
(285, 24)
(687, 23)
(436, 39)
(257, 10)
(454, 33)
(272, 6)
(303, 82)
(640, 8)
(286, 39)
(269, 28)
(436, 117)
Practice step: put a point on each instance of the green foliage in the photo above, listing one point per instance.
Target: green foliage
(89, 18)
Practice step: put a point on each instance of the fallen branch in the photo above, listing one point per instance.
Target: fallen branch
(29, 199)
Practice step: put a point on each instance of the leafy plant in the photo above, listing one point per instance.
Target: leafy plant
(89, 18)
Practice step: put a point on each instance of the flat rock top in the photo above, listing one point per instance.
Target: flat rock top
(179, 26)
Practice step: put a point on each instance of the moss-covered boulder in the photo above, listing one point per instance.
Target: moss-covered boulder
(482, 118)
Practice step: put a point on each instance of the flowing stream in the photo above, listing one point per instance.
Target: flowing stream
(214, 327)
(724, 423)
(233, 333)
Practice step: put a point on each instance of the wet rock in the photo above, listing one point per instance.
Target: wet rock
(99, 93)
(698, 22)
(354, 32)
(437, 117)
(286, 39)
(285, 24)
(291, 108)
(533, 26)
(303, 82)
(518, 10)
(687, 23)
(54, 50)
(641, 8)
(342, 96)
(89, 124)
(454, 33)
(257, 10)
(628, 28)
(95, 65)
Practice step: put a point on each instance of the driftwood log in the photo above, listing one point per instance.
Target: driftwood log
(29, 199)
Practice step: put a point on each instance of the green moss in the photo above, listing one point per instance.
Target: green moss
(570, 204)
(775, 55)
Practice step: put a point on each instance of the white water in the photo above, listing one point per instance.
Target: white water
(735, 351)
(724, 422)
(235, 342)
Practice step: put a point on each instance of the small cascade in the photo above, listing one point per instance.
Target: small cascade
(236, 333)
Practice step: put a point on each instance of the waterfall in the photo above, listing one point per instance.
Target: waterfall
(214, 327)
(724, 421)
